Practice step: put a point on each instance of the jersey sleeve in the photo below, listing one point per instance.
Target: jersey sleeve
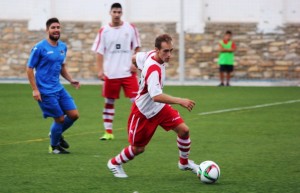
(98, 45)
(140, 59)
(135, 41)
(34, 57)
(154, 87)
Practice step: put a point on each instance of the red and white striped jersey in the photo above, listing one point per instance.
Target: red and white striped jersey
(151, 84)
(116, 44)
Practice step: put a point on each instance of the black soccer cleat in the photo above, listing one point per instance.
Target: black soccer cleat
(57, 150)
(63, 143)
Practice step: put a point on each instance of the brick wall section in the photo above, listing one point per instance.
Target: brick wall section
(259, 56)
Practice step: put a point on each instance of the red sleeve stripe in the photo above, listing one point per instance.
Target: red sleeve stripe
(136, 35)
(151, 69)
(99, 40)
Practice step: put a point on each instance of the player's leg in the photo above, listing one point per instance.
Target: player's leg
(222, 76)
(108, 117)
(130, 86)
(69, 108)
(170, 119)
(111, 91)
(51, 108)
(184, 145)
(140, 132)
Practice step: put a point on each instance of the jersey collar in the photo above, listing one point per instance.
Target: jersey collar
(160, 62)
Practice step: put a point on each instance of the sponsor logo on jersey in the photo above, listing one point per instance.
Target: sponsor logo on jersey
(62, 52)
(118, 46)
(50, 52)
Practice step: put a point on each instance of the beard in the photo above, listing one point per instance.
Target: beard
(54, 38)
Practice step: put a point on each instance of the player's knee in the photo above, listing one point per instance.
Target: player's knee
(75, 116)
(138, 150)
(184, 131)
(59, 119)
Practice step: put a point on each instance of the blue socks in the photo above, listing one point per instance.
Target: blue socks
(67, 123)
(56, 131)
(58, 128)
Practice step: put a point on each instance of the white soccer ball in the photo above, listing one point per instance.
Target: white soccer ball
(208, 172)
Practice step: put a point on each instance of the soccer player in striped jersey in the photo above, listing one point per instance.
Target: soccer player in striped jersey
(114, 45)
(152, 109)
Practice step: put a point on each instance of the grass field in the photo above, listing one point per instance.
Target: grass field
(258, 150)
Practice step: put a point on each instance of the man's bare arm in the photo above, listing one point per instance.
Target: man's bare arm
(68, 77)
(164, 98)
(35, 91)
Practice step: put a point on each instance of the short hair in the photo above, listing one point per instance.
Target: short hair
(50, 21)
(228, 32)
(116, 5)
(162, 38)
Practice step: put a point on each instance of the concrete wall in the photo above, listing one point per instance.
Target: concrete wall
(259, 55)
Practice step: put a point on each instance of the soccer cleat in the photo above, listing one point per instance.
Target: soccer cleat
(227, 84)
(221, 84)
(117, 170)
(190, 166)
(57, 150)
(107, 136)
(63, 143)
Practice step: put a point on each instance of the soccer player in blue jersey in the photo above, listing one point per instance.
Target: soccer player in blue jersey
(48, 59)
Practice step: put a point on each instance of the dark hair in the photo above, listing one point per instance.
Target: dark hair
(162, 38)
(116, 5)
(228, 32)
(50, 21)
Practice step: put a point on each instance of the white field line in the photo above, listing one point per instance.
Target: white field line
(250, 107)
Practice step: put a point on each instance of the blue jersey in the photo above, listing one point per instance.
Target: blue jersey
(47, 61)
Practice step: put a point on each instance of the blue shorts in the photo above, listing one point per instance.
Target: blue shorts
(56, 104)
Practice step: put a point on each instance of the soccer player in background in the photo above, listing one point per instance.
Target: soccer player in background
(114, 45)
(226, 58)
(48, 59)
(152, 109)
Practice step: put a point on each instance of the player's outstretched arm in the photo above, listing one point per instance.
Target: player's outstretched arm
(68, 77)
(164, 98)
(35, 91)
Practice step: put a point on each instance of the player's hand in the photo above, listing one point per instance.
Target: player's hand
(36, 95)
(75, 84)
(101, 75)
(133, 68)
(188, 104)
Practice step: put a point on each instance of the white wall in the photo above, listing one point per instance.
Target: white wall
(269, 14)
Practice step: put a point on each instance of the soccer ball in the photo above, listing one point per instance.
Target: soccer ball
(208, 172)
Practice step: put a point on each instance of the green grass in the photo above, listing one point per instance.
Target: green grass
(258, 150)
